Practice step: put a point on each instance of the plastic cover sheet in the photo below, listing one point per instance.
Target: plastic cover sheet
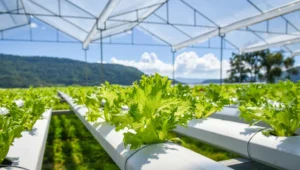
(228, 11)
(272, 40)
(233, 11)
(294, 47)
(124, 19)
(94, 7)
(73, 21)
(276, 31)
(131, 12)
(267, 5)
(10, 5)
(133, 5)
(167, 33)
(8, 21)
(243, 38)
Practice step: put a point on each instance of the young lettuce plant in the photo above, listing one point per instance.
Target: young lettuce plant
(9, 130)
(11, 126)
(113, 97)
(210, 99)
(282, 114)
(153, 112)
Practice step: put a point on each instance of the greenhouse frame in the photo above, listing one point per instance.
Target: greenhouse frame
(243, 26)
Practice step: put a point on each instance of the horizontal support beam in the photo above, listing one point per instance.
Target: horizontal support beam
(241, 24)
(278, 41)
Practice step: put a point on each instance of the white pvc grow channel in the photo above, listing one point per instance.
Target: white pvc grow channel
(279, 152)
(28, 151)
(156, 156)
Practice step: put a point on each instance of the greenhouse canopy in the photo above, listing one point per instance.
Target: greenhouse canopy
(247, 25)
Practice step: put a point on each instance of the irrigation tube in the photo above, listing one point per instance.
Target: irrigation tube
(278, 152)
(156, 156)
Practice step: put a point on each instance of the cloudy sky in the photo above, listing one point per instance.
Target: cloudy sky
(187, 64)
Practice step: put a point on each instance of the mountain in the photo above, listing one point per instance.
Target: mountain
(19, 71)
(213, 81)
(190, 80)
(193, 81)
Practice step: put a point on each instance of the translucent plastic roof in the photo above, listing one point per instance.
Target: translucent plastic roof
(248, 25)
(80, 19)
(8, 21)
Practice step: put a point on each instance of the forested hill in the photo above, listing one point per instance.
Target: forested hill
(18, 71)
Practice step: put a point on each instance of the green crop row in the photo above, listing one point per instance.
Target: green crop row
(19, 110)
(155, 107)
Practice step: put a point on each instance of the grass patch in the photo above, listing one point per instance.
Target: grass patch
(71, 146)
(205, 149)
(61, 106)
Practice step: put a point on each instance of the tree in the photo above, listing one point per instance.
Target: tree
(288, 64)
(262, 65)
(272, 64)
(252, 61)
(237, 71)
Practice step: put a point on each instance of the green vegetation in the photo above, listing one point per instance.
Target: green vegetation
(61, 106)
(149, 110)
(71, 146)
(277, 105)
(260, 66)
(16, 71)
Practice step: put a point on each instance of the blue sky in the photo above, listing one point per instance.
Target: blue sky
(190, 62)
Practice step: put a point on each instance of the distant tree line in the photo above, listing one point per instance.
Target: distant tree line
(260, 66)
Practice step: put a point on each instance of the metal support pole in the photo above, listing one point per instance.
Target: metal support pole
(101, 59)
(167, 5)
(173, 64)
(240, 68)
(86, 65)
(221, 58)
(57, 35)
(30, 30)
(132, 37)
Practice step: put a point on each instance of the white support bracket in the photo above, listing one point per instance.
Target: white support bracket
(99, 24)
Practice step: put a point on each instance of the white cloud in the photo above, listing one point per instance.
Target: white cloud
(187, 64)
(33, 25)
(149, 64)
